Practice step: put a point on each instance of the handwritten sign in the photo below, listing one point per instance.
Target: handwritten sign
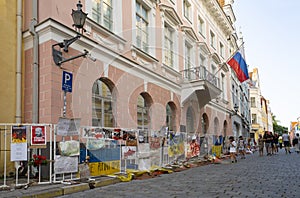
(68, 127)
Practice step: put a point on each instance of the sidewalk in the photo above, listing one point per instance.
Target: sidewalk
(53, 190)
(59, 189)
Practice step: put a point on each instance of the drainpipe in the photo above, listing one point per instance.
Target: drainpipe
(19, 64)
(35, 78)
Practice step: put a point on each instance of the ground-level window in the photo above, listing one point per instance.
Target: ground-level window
(143, 118)
(170, 117)
(102, 103)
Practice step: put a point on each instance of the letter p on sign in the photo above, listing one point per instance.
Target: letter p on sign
(67, 78)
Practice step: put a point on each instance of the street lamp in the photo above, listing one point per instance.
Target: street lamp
(79, 18)
(236, 109)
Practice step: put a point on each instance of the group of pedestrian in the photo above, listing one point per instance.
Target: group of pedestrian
(269, 141)
(238, 147)
(272, 143)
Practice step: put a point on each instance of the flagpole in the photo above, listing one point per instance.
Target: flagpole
(235, 52)
(230, 57)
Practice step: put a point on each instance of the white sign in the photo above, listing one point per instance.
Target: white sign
(68, 127)
(18, 152)
(65, 164)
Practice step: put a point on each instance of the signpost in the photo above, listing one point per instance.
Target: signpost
(66, 86)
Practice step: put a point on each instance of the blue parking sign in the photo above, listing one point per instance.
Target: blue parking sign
(67, 81)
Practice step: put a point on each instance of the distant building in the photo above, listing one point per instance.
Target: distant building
(261, 114)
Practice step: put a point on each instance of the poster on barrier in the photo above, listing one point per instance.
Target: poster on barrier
(38, 135)
(155, 143)
(68, 127)
(176, 145)
(128, 152)
(18, 143)
(65, 164)
(69, 148)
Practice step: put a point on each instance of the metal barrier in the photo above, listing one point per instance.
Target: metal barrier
(49, 153)
(26, 153)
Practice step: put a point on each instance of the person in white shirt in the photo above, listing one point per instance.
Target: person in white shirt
(286, 142)
(232, 149)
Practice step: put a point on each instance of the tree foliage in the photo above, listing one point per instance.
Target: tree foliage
(277, 128)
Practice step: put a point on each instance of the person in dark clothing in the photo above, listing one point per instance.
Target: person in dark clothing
(268, 141)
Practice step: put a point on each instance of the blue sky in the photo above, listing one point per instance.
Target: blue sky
(271, 32)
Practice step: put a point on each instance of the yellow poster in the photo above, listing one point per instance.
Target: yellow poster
(104, 168)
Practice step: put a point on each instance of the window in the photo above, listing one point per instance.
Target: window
(213, 69)
(142, 24)
(254, 119)
(201, 26)
(188, 50)
(252, 101)
(212, 40)
(170, 117)
(190, 121)
(142, 113)
(204, 123)
(102, 102)
(223, 85)
(102, 13)
(222, 50)
(169, 47)
(187, 9)
(202, 60)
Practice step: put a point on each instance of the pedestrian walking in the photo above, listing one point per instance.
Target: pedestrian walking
(242, 147)
(297, 143)
(280, 142)
(268, 142)
(232, 149)
(260, 145)
(276, 142)
(286, 142)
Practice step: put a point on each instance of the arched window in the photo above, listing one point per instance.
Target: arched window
(170, 117)
(216, 131)
(204, 124)
(190, 121)
(102, 102)
(225, 129)
(143, 118)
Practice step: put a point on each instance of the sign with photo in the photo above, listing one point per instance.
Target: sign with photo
(38, 135)
(18, 143)
(18, 134)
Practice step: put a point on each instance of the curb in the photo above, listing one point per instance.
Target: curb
(65, 190)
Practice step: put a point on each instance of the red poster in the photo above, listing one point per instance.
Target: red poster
(38, 135)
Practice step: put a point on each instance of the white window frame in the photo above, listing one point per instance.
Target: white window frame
(140, 31)
(187, 10)
(188, 48)
(100, 13)
(222, 50)
(202, 60)
(169, 46)
(212, 39)
(201, 26)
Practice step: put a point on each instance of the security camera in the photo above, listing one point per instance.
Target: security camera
(91, 57)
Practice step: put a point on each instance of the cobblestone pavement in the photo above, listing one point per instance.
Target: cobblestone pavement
(268, 176)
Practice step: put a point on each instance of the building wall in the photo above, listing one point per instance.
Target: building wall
(8, 54)
(130, 71)
(8, 61)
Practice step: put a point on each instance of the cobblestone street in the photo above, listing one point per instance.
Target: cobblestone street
(268, 176)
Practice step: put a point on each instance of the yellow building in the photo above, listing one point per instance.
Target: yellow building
(8, 69)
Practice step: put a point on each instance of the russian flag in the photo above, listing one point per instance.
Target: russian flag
(238, 64)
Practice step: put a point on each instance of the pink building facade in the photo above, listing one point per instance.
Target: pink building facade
(151, 64)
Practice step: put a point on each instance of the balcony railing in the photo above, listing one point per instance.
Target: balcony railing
(200, 73)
